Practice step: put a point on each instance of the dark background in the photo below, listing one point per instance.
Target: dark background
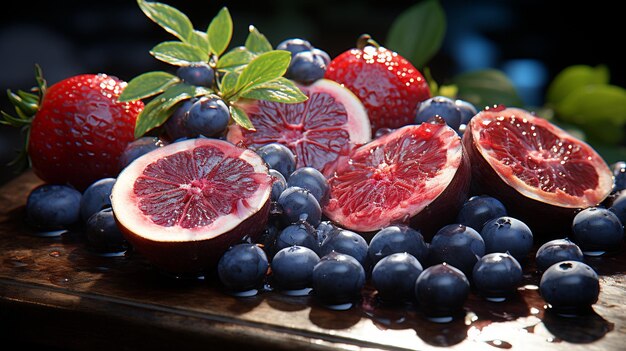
(114, 37)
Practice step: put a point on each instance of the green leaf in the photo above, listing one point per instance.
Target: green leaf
(418, 32)
(28, 97)
(235, 58)
(41, 82)
(277, 90)
(265, 67)
(573, 78)
(168, 17)
(220, 32)
(487, 87)
(257, 42)
(241, 117)
(594, 104)
(9, 120)
(178, 54)
(229, 84)
(22, 107)
(199, 40)
(160, 108)
(147, 84)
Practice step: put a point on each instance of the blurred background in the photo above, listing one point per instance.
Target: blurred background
(529, 40)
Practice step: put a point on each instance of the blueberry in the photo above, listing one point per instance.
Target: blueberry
(299, 204)
(597, 230)
(242, 268)
(313, 180)
(137, 148)
(338, 280)
(479, 210)
(279, 184)
(346, 242)
(103, 235)
(497, 275)
(306, 67)
(176, 124)
(323, 55)
(292, 268)
(294, 45)
(278, 157)
(53, 206)
(619, 174)
(300, 234)
(557, 250)
(325, 230)
(439, 106)
(397, 238)
(570, 287)
(508, 234)
(441, 291)
(457, 245)
(467, 110)
(618, 206)
(96, 197)
(394, 277)
(208, 116)
(197, 73)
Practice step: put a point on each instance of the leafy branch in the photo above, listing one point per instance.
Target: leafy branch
(253, 71)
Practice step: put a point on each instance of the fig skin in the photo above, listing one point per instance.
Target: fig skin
(545, 220)
(444, 209)
(189, 258)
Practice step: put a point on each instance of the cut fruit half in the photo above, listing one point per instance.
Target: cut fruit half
(181, 206)
(318, 131)
(542, 174)
(417, 175)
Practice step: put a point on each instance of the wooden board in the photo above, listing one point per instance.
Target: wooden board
(54, 292)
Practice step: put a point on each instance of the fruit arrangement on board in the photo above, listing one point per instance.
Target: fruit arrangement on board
(333, 172)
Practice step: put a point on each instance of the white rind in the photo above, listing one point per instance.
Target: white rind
(128, 214)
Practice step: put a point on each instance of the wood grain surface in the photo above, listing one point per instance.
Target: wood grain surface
(55, 293)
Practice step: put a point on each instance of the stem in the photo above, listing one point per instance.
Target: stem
(366, 40)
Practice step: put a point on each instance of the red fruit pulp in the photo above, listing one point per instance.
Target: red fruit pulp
(318, 131)
(417, 168)
(184, 204)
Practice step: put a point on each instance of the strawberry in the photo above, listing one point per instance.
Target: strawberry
(77, 128)
(389, 86)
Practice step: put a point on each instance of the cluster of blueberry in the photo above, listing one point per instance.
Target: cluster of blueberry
(53, 209)
(485, 250)
(308, 63)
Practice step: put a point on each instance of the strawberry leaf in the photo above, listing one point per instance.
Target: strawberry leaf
(241, 117)
(168, 17)
(277, 90)
(235, 59)
(257, 42)
(41, 82)
(23, 108)
(264, 68)
(147, 84)
(160, 108)
(178, 54)
(220, 32)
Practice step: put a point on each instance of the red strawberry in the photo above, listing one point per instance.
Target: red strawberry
(78, 129)
(389, 86)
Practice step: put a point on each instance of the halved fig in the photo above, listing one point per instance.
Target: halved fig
(417, 175)
(541, 173)
(318, 131)
(181, 206)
